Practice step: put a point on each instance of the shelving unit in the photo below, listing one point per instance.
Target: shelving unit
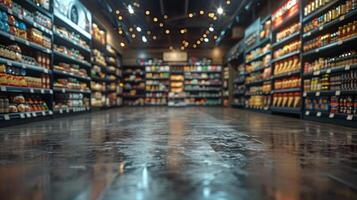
(258, 66)
(177, 94)
(203, 85)
(226, 87)
(134, 93)
(286, 65)
(157, 85)
(330, 94)
(114, 90)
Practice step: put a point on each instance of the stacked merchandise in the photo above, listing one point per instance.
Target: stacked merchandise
(157, 85)
(99, 71)
(71, 67)
(203, 85)
(330, 75)
(114, 89)
(177, 93)
(225, 85)
(71, 102)
(286, 60)
(257, 65)
(134, 87)
(25, 59)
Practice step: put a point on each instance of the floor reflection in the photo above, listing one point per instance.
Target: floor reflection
(193, 153)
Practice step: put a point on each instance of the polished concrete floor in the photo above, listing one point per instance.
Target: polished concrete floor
(183, 154)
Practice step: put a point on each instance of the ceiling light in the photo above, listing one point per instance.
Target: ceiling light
(171, 48)
(154, 37)
(202, 12)
(117, 12)
(155, 19)
(215, 37)
(120, 32)
(215, 18)
(167, 31)
(120, 17)
(206, 40)
(165, 17)
(190, 15)
(182, 31)
(194, 46)
(133, 35)
(228, 2)
(148, 32)
(131, 29)
(198, 42)
(201, 39)
(138, 29)
(143, 38)
(211, 14)
(220, 11)
(130, 9)
(122, 44)
(182, 48)
(211, 29)
(161, 24)
(204, 35)
(147, 12)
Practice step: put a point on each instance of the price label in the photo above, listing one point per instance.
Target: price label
(6, 117)
(12, 37)
(43, 113)
(61, 111)
(21, 17)
(67, 110)
(348, 67)
(27, 43)
(342, 18)
(305, 94)
(328, 71)
(35, 24)
(317, 94)
(332, 115)
(63, 90)
(3, 88)
(349, 117)
(22, 115)
(307, 113)
(24, 66)
(338, 93)
(317, 50)
(48, 51)
(51, 91)
(46, 71)
(9, 63)
(34, 114)
(321, 28)
(42, 91)
(50, 112)
(318, 114)
(316, 73)
(340, 42)
(28, 115)
(31, 90)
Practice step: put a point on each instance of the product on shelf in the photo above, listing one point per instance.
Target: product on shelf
(335, 104)
(22, 103)
(98, 57)
(345, 81)
(288, 48)
(71, 101)
(265, 30)
(202, 68)
(72, 36)
(71, 68)
(258, 52)
(291, 64)
(73, 53)
(70, 83)
(287, 83)
(286, 32)
(98, 34)
(287, 100)
(157, 68)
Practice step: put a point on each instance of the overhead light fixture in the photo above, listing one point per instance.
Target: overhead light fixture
(147, 12)
(131, 29)
(228, 2)
(165, 17)
(190, 15)
(138, 29)
(117, 12)
(167, 31)
(120, 17)
(122, 44)
(133, 35)
(220, 11)
(130, 9)
(194, 46)
(206, 40)
(143, 38)
(155, 19)
(204, 35)
(215, 18)
(198, 42)
(202, 12)
(120, 32)
(182, 48)
(182, 31)
(215, 37)
(148, 32)
(154, 37)
(201, 39)
(171, 48)
(211, 29)
(161, 24)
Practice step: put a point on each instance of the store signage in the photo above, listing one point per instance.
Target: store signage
(75, 14)
(286, 11)
(251, 34)
(175, 56)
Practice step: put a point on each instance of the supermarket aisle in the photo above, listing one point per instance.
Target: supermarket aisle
(193, 153)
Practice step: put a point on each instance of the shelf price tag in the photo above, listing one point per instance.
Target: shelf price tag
(3, 88)
(317, 94)
(318, 114)
(45, 70)
(24, 66)
(6, 117)
(31, 90)
(61, 111)
(27, 43)
(342, 18)
(22, 115)
(34, 114)
(9, 63)
(51, 91)
(42, 91)
(63, 90)
(67, 110)
(321, 28)
(305, 94)
(12, 37)
(332, 115)
(50, 112)
(43, 113)
(338, 93)
(349, 117)
(316, 73)
(28, 115)
(340, 42)
(348, 67)
(9, 11)
(328, 71)
(307, 113)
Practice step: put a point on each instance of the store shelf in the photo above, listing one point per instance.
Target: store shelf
(63, 73)
(286, 90)
(25, 115)
(134, 81)
(96, 79)
(261, 43)
(330, 93)
(284, 75)
(203, 90)
(258, 82)
(71, 43)
(259, 57)
(285, 56)
(64, 56)
(25, 42)
(329, 47)
(331, 70)
(287, 21)
(25, 90)
(70, 110)
(265, 110)
(71, 25)
(259, 69)
(331, 118)
(295, 111)
(134, 96)
(319, 11)
(207, 72)
(203, 97)
(12, 63)
(157, 79)
(285, 40)
(34, 6)
(63, 90)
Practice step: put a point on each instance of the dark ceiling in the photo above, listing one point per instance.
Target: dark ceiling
(174, 15)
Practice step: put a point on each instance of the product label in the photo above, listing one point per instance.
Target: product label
(12, 37)
(348, 67)
(51, 92)
(63, 90)
(3, 88)
(317, 94)
(28, 115)
(332, 115)
(24, 66)
(349, 117)
(22, 115)
(31, 90)
(61, 111)
(46, 71)
(43, 113)
(27, 43)
(316, 73)
(9, 63)
(42, 91)
(342, 18)
(340, 43)
(305, 94)
(50, 112)
(318, 114)
(307, 113)
(6, 117)
(328, 71)
(34, 114)
(338, 93)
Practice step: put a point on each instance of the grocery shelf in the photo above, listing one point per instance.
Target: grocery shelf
(329, 93)
(287, 90)
(25, 115)
(25, 90)
(287, 74)
(12, 63)
(39, 8)
(64, 73)
(96, 79)
(70, 110)
(258, 82)
(71, 43)
(265, 110)
(285, 40)
(64, 90)
(68, 23)
(208, 72)
(329, 46)
(25, 42)
(64, 56)
(259, 57)
(285, 56)
(287, 21)
(259, 69)
(331, 70)
(331, 118)
(319, 11)
(261, 43)
(284, 110)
